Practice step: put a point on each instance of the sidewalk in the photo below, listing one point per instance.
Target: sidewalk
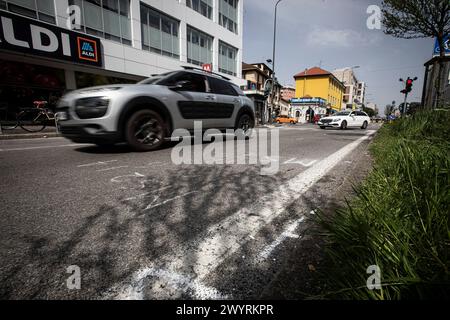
(19, 133)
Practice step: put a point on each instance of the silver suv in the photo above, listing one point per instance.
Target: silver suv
(145, 114)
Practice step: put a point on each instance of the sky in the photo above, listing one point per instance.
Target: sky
(333, 34)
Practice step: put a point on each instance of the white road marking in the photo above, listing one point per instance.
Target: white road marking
(181, 283)
(288, 233)
(303, 163)
(42, 147)
(223, 239)
(152, 205)
(143, 195)
(119, 179)
(98, 163)
(112, 168)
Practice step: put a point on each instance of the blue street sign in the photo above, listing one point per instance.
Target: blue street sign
(437, 51)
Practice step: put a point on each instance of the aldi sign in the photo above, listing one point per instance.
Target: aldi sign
(33, 37)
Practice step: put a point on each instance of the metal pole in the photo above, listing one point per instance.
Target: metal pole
(404, 105)
(273, 61)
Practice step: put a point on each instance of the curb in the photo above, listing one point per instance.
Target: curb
(29, 136)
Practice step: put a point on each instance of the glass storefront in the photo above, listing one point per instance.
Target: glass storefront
(85, 80)
(21, 84)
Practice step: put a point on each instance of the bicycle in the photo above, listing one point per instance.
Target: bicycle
(33, 119)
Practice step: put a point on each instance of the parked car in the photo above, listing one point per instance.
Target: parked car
(346, 119)
(144, 115)
(286, 119)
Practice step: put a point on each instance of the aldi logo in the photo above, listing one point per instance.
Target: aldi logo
(87, 49)
(24, 35)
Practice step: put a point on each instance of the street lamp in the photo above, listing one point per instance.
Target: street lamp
(273, 58)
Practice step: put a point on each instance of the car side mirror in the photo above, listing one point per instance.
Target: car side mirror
(180, 85)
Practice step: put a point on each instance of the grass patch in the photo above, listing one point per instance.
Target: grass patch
(399, 219)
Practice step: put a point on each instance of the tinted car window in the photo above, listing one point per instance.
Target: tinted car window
(221, 87)
(196, 81)
(361, 114)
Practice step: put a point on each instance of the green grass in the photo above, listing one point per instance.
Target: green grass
(399, 219)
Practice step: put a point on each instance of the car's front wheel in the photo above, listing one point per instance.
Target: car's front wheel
(365, 125)
(145, 131)
(245, 124)
(344, 125)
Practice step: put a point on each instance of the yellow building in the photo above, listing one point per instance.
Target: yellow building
(319, 83)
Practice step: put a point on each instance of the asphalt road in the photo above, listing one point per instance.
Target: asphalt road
(141, 227)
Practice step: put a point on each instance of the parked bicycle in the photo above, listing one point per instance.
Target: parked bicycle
(33, 119)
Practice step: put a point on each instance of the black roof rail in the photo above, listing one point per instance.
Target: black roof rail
(199, 69)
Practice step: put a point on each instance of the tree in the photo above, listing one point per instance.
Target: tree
(370, 112)
(411, 19)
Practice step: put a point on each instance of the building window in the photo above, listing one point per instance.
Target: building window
(199, 47)
(203, 7)
(228, 15)
(159, 33)
(43, 10)
(227, 59)
(109, 19)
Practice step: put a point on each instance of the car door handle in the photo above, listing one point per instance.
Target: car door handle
(236, 100)
(210, 97)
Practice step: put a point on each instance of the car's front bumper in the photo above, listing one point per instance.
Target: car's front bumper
(87, 133)
(330, 124)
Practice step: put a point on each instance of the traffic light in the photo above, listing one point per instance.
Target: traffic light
(409, 84)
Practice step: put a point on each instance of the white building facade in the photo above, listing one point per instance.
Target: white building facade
(133, 39)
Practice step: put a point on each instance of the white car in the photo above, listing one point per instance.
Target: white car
(346, 119)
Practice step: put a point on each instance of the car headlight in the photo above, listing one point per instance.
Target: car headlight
(89, 108)
(336, 120)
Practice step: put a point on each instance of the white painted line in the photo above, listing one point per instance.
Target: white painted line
(42, 147)
(98, 163)
(288, 233)
(143, 195)
(119, 179)
(223, 239)
(152, 205)
(113, 168)
(136, 290)
(303, 163)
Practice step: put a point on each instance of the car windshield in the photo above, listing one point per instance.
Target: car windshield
(341, 114)
(156, 78)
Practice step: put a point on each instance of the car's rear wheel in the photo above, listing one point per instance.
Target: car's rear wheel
(145, 131)
(344, 125)
(365, 125)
